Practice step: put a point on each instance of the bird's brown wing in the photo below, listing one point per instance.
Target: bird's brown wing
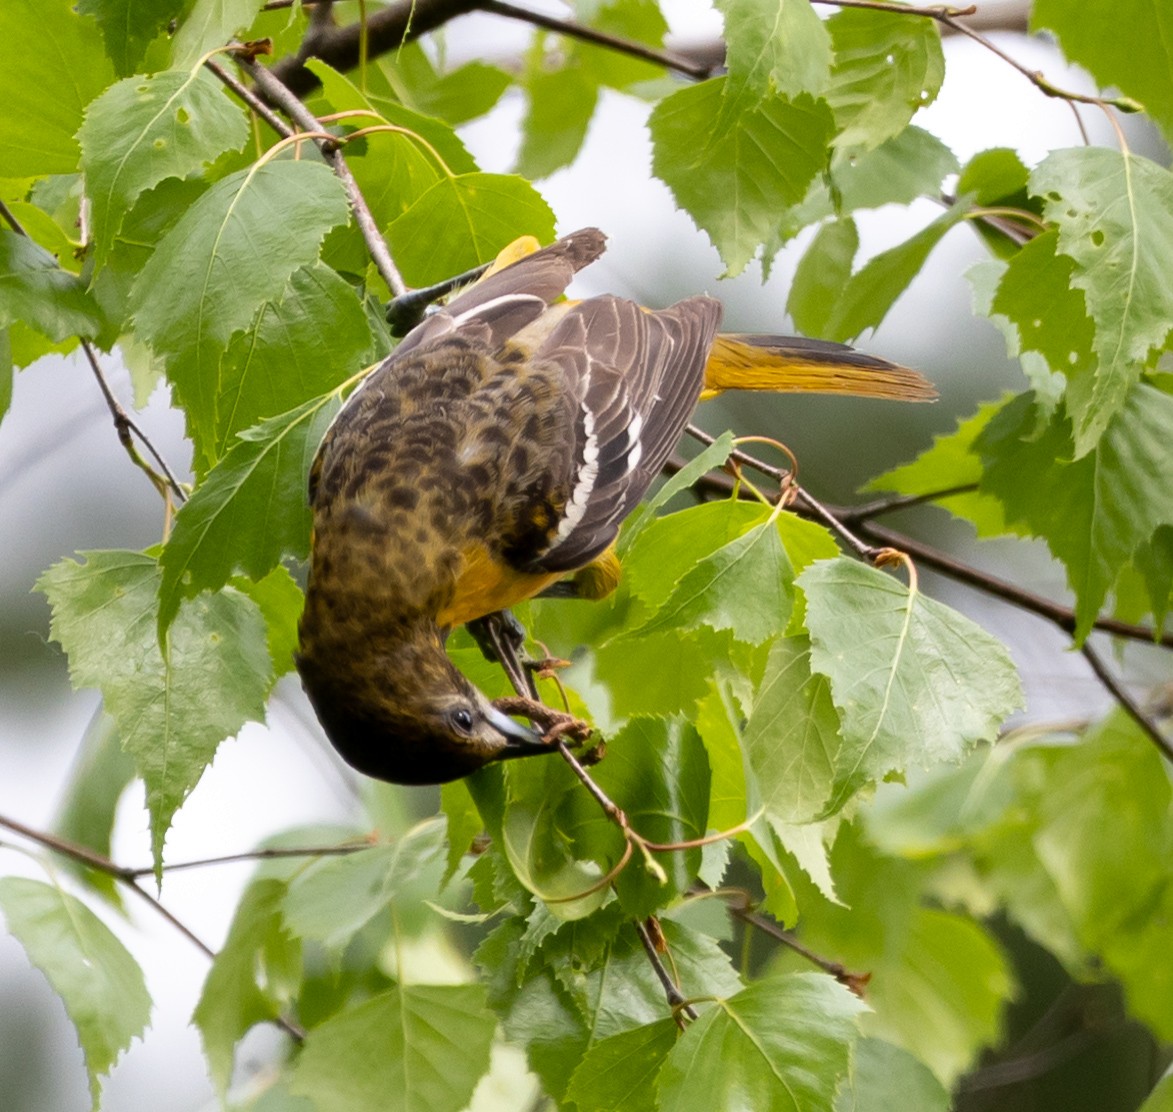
(634, 377)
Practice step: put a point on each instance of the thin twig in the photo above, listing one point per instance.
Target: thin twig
(270, 854)
(881, 506)
(676, 1001)
(1135, 711)
(166, 484)
(244, 93)
(669, 60)
(276, 92)
(11, 220)
(854, 981)
(128, 878)
(948, 17)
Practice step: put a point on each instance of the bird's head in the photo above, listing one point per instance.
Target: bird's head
(409, 717)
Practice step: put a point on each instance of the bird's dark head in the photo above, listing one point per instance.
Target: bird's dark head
(406, 715)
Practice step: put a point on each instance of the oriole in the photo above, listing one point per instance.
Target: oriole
(496, 450)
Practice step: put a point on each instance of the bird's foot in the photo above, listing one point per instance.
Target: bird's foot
(555, 725)
(497, 635)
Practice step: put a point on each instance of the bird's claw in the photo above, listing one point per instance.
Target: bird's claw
(555, 725)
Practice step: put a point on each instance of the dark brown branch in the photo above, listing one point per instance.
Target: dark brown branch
(678, 63)
(271, 854)
(881, 506)
(1134, 710)
(10, 219)
(675, 1000)
(245, 94)
(270, 84)
(387, 29)
(856, 982)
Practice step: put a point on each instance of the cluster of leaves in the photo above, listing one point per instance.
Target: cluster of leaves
(748, 678)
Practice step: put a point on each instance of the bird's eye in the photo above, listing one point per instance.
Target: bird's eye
(461, 719)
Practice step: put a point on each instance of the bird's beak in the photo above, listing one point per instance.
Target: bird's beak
(520, 741)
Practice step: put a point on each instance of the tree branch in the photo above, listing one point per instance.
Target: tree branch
(270, 84)
(1135, 711)
(676, 1001)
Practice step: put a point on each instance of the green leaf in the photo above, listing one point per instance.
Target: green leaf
(1129, 45)
(884, 1077)
(546, 808)
(237, 992)
(781, 1045)
(734, 161)
(464, 823)
(207, 25)
(146, 129)
(994, 176)
(938, 983)
(823, 272)
(426, 1044)
(775, 46)
(172, 709)
(280, 600)
(54, 66)
(99, 982)
(1115, 218)
(887, 67)
(301, 346)
(952, 461)
(618, 1074)
(911, 164)
(332, 899)
(872, 290)
(232, 251)
(745, 586)
(792, 736)
(100, 773)
(36, 291)
(560, 106)
(129, 26)
(657, 773)
(249, 512)
(457, 96)
(914, 682)
(481, 214)
(1161, 1098)
(1093, 512)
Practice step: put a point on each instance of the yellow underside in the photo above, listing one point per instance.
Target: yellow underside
(485, 586)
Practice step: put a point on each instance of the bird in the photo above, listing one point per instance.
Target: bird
(494, 453)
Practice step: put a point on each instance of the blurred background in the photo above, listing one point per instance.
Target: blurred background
(65, 485)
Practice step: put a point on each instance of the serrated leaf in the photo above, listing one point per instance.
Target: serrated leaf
(736, 162)
(887, 67)
(821, 275)
(657, 773)
(873, 289)
(464, 823)
(249, 512)
(618, 1074)
(236, 994)
(914, 682)
(745, 586)
(426, 1044)
(207, 25)
(129, 26)
(148, 128)
(457, 96)
(781, 1045)
(776, 45)
(1115, 218)
(335, 897)
(172, 709)
(792, 736)
(481, 214)
(952, 461)
(232, 251)
(54, 66)
(303, 345)
(99, 982)
(1093, 512)
(36, 291)
(1129, 45)
(280, 600)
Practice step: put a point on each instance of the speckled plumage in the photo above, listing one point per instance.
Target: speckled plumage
(500, 446)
